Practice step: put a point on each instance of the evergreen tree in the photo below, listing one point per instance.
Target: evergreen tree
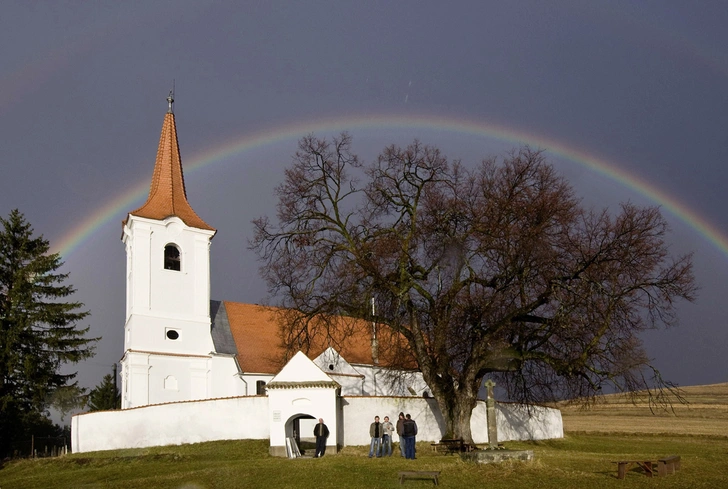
(105, 396)
(38, 330)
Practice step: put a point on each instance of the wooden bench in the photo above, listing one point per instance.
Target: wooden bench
(418, 474)
(665, 466)
(668, 465)
(623, 464)
(453, 446)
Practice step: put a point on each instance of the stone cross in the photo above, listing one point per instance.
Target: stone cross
(490, 409)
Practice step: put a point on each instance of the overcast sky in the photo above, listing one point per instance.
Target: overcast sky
(628, 99)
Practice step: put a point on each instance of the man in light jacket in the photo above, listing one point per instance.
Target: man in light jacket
(388, 429)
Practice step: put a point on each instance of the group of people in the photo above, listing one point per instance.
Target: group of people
(381, 435)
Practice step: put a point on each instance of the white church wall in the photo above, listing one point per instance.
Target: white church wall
(167, 300)
(169, 378)
(171, 424)
(156, 379)
(251, 383)
(134, 380)
(331, 362)
(185, 292)
(369, 386)
(151, 332)
(351, 385)
(386, 382)
(225, 379)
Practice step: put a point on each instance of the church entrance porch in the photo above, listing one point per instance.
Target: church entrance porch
(299, 429)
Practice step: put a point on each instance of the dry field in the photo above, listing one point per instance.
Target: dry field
(706, 413)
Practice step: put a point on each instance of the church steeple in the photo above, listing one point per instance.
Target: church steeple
(167, 194)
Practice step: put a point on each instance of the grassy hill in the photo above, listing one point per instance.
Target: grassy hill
(612, 430)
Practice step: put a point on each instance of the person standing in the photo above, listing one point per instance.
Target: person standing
(400, 433)
(409, 429)
(321, 432)
(375, 431)
(387, 430)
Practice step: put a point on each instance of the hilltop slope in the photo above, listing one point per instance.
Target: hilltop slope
(706, 413)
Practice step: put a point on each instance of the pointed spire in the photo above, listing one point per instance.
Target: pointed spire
(167, 193)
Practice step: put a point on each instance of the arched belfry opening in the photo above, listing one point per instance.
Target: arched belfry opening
(172, 259)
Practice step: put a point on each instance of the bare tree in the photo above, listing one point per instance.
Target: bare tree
(496, 270)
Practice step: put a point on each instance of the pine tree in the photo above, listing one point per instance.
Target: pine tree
(38, 330)
(105, 396)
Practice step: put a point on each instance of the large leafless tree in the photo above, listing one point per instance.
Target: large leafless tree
(493, 271)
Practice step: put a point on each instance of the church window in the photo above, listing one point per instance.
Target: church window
(172, 334)
(260, 387)
(331, 366)
(171, 258)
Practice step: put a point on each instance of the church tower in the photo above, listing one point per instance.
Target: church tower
(168, 348)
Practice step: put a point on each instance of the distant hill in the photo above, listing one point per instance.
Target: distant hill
(706, 413)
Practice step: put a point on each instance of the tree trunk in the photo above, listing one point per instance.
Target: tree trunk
(456, 412)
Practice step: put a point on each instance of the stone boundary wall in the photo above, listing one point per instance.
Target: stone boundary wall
(171, 424)
(248, 418)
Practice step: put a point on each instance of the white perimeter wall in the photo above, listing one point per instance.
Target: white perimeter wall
(245, 418)
(522, 422)
(514, 421)
(171, 424)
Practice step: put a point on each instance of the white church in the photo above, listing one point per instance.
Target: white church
(195, 369)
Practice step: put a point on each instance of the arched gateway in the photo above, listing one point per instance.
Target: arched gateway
(301, 391)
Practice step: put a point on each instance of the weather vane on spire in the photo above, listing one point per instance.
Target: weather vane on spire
(170, 98)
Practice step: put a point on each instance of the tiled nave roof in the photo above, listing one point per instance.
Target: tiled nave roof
(256, 333)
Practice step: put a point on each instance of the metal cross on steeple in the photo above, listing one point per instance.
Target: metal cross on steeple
(170, 100)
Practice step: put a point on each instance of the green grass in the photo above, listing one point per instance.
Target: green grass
(595, 437)
(578, 461)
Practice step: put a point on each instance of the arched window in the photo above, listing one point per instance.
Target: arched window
(171, 258)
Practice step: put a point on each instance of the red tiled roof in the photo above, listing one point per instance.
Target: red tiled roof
(167, 194)
(257, 334)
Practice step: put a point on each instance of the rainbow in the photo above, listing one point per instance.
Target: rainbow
(118, 206)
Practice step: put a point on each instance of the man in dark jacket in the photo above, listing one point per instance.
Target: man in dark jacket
(400, 426)
(409, 431)
(321, 432)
